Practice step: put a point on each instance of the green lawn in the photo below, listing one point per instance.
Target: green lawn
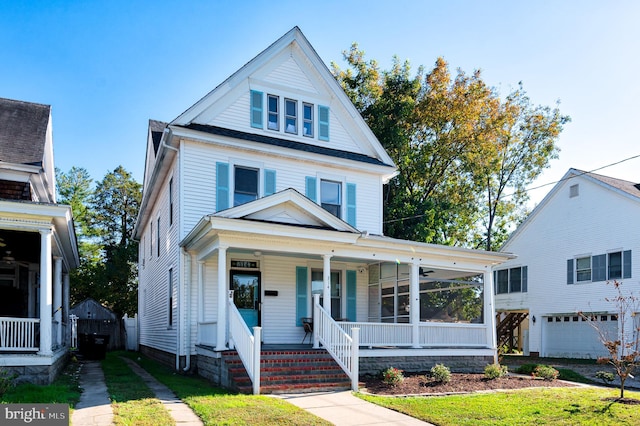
(557, 406)
(216, 406)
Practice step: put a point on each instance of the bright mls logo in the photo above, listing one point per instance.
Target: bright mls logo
(35, 414)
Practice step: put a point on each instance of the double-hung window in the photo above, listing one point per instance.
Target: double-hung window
(307, 120)
(291, 116)
(615, 265)
(502, 285)
(512, 280)
(245, 185)
(331, 197)
(272, 119)
(317, 285)
(583, 269)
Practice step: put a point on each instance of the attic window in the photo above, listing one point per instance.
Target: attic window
(574, 191)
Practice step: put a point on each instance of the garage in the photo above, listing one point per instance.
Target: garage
(570, 336)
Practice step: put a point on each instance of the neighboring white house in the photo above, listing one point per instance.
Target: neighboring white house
(272, 185)
(583, 234)
(37, 247)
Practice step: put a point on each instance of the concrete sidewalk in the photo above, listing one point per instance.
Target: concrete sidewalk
(94, 407)
(344, 409)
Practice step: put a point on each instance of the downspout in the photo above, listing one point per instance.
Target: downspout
(187, 258)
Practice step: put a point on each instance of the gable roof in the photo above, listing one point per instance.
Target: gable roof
(23, 130)
(293, 36)
(622, 187)
(156, 128)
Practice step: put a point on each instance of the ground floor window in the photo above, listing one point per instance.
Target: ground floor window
(317, 281)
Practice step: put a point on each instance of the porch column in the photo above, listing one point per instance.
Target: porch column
(489, 313)
(221, 338)
(57, 298)
(65, 308)
(45, 292)
(326, 289)
(200, 291)
(414, 305)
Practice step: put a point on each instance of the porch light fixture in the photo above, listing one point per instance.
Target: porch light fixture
(257, 253)
(533, 318)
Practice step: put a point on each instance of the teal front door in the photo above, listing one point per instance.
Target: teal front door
(246, 296)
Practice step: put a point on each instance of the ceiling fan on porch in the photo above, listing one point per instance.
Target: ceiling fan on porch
(8, 258)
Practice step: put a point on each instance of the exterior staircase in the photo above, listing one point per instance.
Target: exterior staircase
(507, 326)
(289, 371)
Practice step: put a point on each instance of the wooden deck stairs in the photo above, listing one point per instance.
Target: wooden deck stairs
(289, 371)
(507, 326)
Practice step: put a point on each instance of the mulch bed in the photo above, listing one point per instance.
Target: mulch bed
(422, 384)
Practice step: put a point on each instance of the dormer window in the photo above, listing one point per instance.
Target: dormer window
(291, 116)
(273, 113)
(307, 117)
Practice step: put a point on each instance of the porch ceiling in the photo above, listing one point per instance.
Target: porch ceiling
(21, 246)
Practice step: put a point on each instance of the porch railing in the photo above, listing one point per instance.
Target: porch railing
(246, 344)
(342, 346)
(18, 334)
(431, 334)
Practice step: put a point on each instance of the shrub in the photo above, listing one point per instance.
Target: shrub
(495, 371)
(441, 373)
(605, 376)
(392, 376)
(6, 381)
(545, 372)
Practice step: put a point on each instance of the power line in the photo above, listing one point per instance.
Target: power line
(535, 187)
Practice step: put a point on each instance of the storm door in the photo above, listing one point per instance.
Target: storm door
(246, 295)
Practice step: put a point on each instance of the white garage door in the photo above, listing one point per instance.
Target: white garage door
(573, 337)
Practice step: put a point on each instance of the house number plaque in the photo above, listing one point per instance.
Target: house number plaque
(253, 264)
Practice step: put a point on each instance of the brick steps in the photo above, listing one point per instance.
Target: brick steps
(289, 371)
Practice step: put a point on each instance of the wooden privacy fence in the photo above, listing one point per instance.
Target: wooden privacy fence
(107, 327)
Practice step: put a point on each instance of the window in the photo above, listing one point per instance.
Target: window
(273, 113)
(158, 234)
(307, 120)
(614, 270)
(246, 185)
(502, 284)
(513, 280)
(170, 201)
(583, 269)
(317, 284)
(574, 191)
(331, 197)
(291, 116)
(170, 300)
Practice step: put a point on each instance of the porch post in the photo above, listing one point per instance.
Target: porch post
(45, 292)
(326, 289)
(489, 314)
(57, 298)
(200, 291)
(414, 297)
(65, 308)
(221, 338)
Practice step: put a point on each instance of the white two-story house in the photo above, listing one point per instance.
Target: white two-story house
(38, 247)
(581, 236)
(272, 186)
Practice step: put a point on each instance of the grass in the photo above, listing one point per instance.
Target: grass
(133, 402)
(216, 406)
(64, 390)
(557, 406)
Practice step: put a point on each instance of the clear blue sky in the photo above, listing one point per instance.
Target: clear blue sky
(106, 67)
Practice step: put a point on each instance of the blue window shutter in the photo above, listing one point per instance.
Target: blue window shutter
(599, 268)
(626, 264)
(525, 269)
(310, 188)
(323, 123)
(351, 204)
(269, 182)
(301, 294)
(256, 109)
(222, 186)
(570, 271)
(351, 295)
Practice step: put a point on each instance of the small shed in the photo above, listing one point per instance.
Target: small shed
(95, 318)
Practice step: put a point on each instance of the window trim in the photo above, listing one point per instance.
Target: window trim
(275, 113)
(170, 201)
(158, 234)
(306, 121)
(288, 116)
(576, 270)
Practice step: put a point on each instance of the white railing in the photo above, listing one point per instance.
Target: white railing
(342, 346)
(246, 344)
(431, 334)
(207, 333)
(18, 334)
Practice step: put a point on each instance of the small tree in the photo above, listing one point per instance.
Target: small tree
(624, 348)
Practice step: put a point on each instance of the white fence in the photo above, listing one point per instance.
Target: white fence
(18, 334)
(246, 344)
(342, 346)
(131, 332)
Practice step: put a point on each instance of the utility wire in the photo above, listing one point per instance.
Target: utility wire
(535, 187)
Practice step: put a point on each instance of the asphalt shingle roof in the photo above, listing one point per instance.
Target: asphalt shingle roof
(156, 128)
(623, 185)
(23, 130)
